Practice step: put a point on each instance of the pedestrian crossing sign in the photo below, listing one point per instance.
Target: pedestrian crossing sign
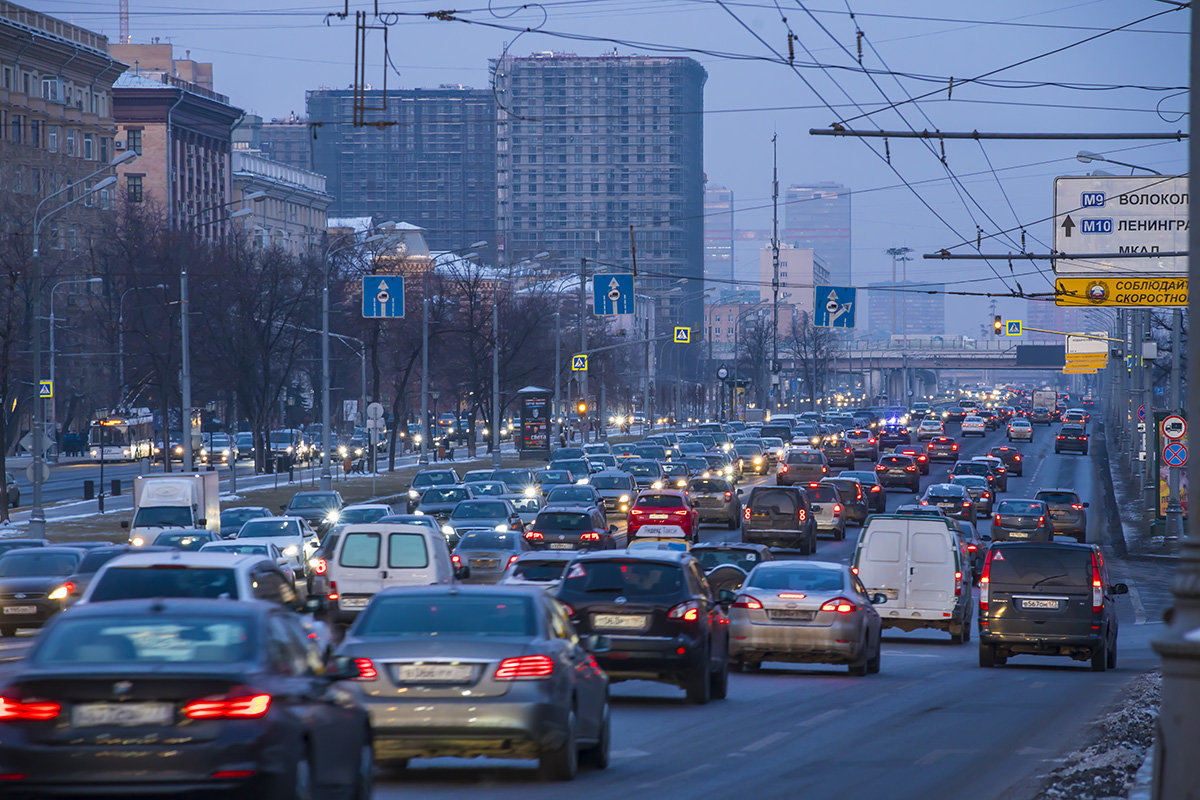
(579, 363)
(683, 336)
(46, 390)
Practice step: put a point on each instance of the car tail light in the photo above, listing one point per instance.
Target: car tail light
(957, 584)
(746, 513)
(1042, 520)
(839, 604)
(728, 496)
(524, 668)
(512, 560)
(971, 548)
(250, 706)
(910, 468)
(1016, 458)
(1083, 437)
(871, 440)
(854, 570)
(924, 502)
(322, 566)
(683, 512)
(688, 612)
(636, 511)
(954, 447)
(824, 470)
(1077, 506)
(837, 509)
(30, 710)
(570, 608)
(366, 669)
(746, 601)
(534, 536)
(876, 488)
(880, 468)
(802, 515)
(333, 592)
(967, 505)
(996, 519)
(1097, 587)
(987, 495)
(1060, 437)
(589, 536)
(791, 595)
(985, 585)
(782, 468)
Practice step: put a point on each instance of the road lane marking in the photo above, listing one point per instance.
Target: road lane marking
(936, 755)
(769, 739)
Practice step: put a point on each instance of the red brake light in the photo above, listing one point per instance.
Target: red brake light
(746, 601)
(636, 511)
(972, 548)
(839, 604)
(31, 710)
(880, 467)
(524, 668)
(837, 509)
(746, 513)
(911, 468)
(1077, 506)
(871, 440)
(688, 612)
(728, 496)
(455, 559)
(589, 536)
(1097, 587)
(954, 447)
(782, 468)
(791, 595)
(986, 495)
(366, 669)
(1017, 458)
(996, 519)
(322, 566)
(534, 536)
(985, 584)
(1041, 520)
(876, 488)
(229, 707)
(1059, 437)
(333, 590)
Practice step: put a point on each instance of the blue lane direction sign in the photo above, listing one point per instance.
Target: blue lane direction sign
(1175, 454)
(383, 296)
(579, 363)
(612, 294)
(834, 306)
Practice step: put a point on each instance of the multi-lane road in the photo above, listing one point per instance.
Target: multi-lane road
(931, 724)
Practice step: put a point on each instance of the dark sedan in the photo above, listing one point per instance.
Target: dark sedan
(893, 435)
(440, 501)
(875, 493)
(1011, 457)
(480, 671)
(489, 554)
(174, 696)
(20, 544)
(1073, 438)
(917, 451)
(318, 509)
(1022, 520)
(31, 585)
(942, 448)
(572, 526)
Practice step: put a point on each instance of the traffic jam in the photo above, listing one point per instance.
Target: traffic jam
(517, 614)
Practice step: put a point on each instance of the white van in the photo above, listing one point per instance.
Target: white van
(370, 557)
(917, 563)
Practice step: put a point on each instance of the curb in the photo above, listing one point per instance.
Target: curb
(1143, 781)
(1103, 470)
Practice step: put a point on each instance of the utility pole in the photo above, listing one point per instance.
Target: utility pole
(774, 268)
(1176, 771)
(496, 382)
(185, 375)
(554, 423)
(1174, 528)
(424, 426)
(583, 316)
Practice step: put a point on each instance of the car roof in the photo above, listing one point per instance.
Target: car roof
(673, 492)
(465, 588)
(53, 549)
(661, 556)
(365, 505)
(790, 563)
(173, 605)
(752, 546)
(183, 558)
(581, 509)
(548, 555)
(1046, 545)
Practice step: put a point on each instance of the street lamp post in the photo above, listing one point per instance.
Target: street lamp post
(121, 334)
(54, 399)
(1087, 157)
(37, 513)
(495, 383)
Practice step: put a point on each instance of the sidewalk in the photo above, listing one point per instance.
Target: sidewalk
(1123, 505)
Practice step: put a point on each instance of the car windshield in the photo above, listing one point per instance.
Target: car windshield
(236, 516)
(612, 481)
(553, 476)
(488, 489)
(169, 580)
(480, 510)
(1019, 507)
(524, 505)
(237, 549)
(512, 477)
(563, 521)
(36, 564)
(710, 559)
(660, 501)
(147, 640)
(1058, 498)
(630, 579)
(804, 578)
(352, 516)
(1027, 565)
(264, 528)
(433, 479)
(163, 517)
(748, 450)
(182, 541)
(642, 468)
(564, 453)
(452, 495)
(313, 501)
(448, 615)
(484, 540)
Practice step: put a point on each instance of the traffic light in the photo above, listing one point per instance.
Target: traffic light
(581, 408)
(997, 325)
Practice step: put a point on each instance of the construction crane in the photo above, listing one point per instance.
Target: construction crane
(123, 10)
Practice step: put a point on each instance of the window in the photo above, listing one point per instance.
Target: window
(50, 89)
(407, 551)
(17, 122)
(52, 138)
(105, 149)
(89, 146)
(133, 139)
(70, 142)
(133, 188)
(361, 550)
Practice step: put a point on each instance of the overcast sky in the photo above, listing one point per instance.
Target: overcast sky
(266, 53)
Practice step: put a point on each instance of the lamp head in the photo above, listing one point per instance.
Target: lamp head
(128, 155)
(1087, 157)
(104, 183)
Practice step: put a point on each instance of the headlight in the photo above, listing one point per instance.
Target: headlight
(581, 482)
(779, 454)
(291, 551)
(138, 541)
(413, 494)
(61, 593)
(502, 528)
(656, 485)
(342, 451)
(623, 498)
(680, 483)
(333, 516)
(289, 449)
(95, 453)
(419, 513)
(530, 491)
(447, 530)
(758, 459)
(727, 447)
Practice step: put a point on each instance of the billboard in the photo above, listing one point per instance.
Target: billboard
(535, 424)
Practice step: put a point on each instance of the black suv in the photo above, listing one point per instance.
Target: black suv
(899, 470)
(1047, 599)
(1011, 457)
(779, 516)
(658, 612)
(1071, 437)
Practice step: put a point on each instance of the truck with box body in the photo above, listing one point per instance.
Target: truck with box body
(173, 501)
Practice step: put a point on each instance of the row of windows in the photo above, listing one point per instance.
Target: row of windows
(37, 133)
(54, 89)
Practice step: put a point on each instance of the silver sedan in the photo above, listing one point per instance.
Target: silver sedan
(805, 612)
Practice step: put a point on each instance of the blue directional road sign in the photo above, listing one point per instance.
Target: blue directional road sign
(383, 296)
(612, 294)
(834, 306)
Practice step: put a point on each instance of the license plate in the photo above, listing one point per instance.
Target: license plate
(658, 516)
(561, 546)
(622, 621)
(353, 602)
(947, 506)
(896, 471)
(434, 673)
(93, 714)
(1050, 604)
(20, 609)
(1018, 534)
(789, 614)
(484, 563)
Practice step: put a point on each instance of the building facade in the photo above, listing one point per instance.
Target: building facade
(817, 216)
(588, 147)
(285, 140)
(427, 157)
(905, 308)
(293, 213)
(800, 269)
(718, 235)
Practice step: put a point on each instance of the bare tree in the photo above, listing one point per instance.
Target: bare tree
(813, 348)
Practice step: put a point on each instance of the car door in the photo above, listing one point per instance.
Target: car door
(358, 567)
(930, 564)
(718, 627)
(586, 679)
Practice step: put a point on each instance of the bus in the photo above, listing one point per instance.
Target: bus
(119, 436)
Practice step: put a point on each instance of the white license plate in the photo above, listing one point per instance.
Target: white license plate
(93, 714)
(660, 530)
(657, 516)
(789, 614)
(434, 673)
(20, 609)
(484, 563)
(353, 602)
(1050, 604)
(622, 621)
(561, 546)
(1018, 535)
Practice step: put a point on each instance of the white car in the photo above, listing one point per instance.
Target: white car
(974, 425)
(1020, 428)
(292, 535)
(268, 550)
(929, 429)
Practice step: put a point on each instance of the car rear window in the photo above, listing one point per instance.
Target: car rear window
(821, 493)
(130, 583)
(611, 482)
(484, 540)
(96, 559)
(539, 570)
(563, 521)
(710, 559)
(625, 578)
(407, 551)
(1019, 507)
(804, 458)
(660, 501)
(433, 479)
(780, 501)
(159, 639)
(812, 579)
(1058, 497)
(709, 485)
(643, 468)
(361, 550)
(448, 615)
(1027, 565)
(264, 528)
(901, 461)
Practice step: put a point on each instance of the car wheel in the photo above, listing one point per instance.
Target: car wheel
(365, 779)
(966, 634)
(720, 680)
(874, 661)
(699, 683)
(16, 499)
(734, 521)
(956, 634)
(840, 535)
(987, 656)
(561, 763)
(1100, 658)
(597, 757)
(8, 631)
(1112, 655)
(1084, 452)
(861, 667)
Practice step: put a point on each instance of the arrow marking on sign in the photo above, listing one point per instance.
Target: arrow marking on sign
(1067, 225)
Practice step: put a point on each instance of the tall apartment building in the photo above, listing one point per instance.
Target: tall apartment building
(817, 216)
(56, 122)
(167, 112)
(428, 158)
(916, 313)
(718, 236)
(800, 269)
(285, 140)
(1046, 315)
(587, 146)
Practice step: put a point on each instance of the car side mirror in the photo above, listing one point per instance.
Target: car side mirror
(726, 597)
(202, 522)
(1087, 505)
(125, 524)
(283, 508)
(314, 604)
(597, 644)
(741, 491)
(462, 573)
(612, 529)
(342, 668)
(816, 509)
(878, 599)
(1119, 588)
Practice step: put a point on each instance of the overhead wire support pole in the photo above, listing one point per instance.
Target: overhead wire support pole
(1055, 256)
(774, 266)
(1177, 136)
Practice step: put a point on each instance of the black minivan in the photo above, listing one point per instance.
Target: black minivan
(1047, 598)
(779, 516)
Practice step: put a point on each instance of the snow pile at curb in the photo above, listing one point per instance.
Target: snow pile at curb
(1105, 769)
